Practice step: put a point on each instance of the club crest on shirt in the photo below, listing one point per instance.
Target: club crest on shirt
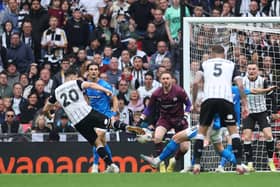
(175, 99)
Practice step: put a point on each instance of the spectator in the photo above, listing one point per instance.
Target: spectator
(29, 107)
(39, 90)
(275, 8)
(134, 51)
(127, 75)
(172, 17)
(45, 76)
(64, 125)
(265, 6)
(20, 53)
(11, 125)
(163, 5)
(103, 31)
(39, 19)
(94, 8)
(150, 39)
(113, 73)
(3, 57)
(54, 40)
(138, 72)
(122, 26)
(254, 12)
(141, 13)
(12, 73)
(2, 112)
(11, 14)
(123, 89)
(65, 7)
(41, 125)
(124, 60)
(18, 101)
(135, 102)
(157, 57)
(226, 11)
(27, 35)
(116, 45)
(107, 55)
(6, 36)
(24, 11)
(94, 48)
(5, 89)
(59, 77)
(166, 62)
(103, 68)
(160, 25)
(33, 73)
(147, 89)
(55, 10)
(126, 114)
(77, 30)
(119, 6)
(23, 80)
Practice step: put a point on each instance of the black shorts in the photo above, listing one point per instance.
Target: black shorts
(250, 121)
(93, 120)
(222, 107)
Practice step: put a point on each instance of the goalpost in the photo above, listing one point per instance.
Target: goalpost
(245, 39)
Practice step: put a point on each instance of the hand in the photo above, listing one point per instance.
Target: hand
(245, 111)
(108, 93)
(273, 88)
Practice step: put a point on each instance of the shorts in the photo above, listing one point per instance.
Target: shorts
(222, 107)
(250, 121)
(93, 120)
(177, 123)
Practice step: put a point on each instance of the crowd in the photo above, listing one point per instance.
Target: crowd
(133, 41)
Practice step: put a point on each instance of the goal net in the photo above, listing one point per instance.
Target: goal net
(245, 40)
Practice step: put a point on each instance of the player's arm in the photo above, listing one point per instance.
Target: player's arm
(49, 106)
(93, 85)
(115, 103)
(263, 90)
(238, 81)
(197, 79)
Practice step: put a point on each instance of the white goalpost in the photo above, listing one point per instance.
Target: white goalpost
(245, 39)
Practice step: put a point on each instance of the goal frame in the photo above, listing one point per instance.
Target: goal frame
(187, 21)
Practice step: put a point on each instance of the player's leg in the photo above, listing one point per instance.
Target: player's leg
(228, 119)
(101, 133)
(248, 126)
(118, 125)
(207, 112)
(178, 124)
(265, 126)
(172, 146)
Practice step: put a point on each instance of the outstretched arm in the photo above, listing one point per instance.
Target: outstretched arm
(263, 90)
(93, 85)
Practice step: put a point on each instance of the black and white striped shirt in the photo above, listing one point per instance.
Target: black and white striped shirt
(70, 97)
(275, 8)
(218, 74)
(256, 102)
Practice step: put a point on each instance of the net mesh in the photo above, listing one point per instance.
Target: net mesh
(243, 44)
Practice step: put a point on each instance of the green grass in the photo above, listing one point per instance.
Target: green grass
(140, 180)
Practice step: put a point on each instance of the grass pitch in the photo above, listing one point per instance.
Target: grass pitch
(140, 180)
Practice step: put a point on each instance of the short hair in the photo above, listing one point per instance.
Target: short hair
(70, 71)
(93, 64)
(149, 73)
(218, 49)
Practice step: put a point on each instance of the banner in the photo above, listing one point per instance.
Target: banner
(69, 157)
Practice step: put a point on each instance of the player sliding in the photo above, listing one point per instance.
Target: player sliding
(70, 97)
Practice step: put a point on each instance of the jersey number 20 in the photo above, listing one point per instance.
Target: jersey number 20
(68, 98)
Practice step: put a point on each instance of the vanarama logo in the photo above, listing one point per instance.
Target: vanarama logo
(46, 164)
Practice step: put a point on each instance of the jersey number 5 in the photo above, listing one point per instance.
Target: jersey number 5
(68, 98)
(217, 70)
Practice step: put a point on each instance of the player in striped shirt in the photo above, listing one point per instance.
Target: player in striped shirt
(217, 74)
(70, 96)
(257, 114)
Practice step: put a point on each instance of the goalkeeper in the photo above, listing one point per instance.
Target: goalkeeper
(170, 99)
